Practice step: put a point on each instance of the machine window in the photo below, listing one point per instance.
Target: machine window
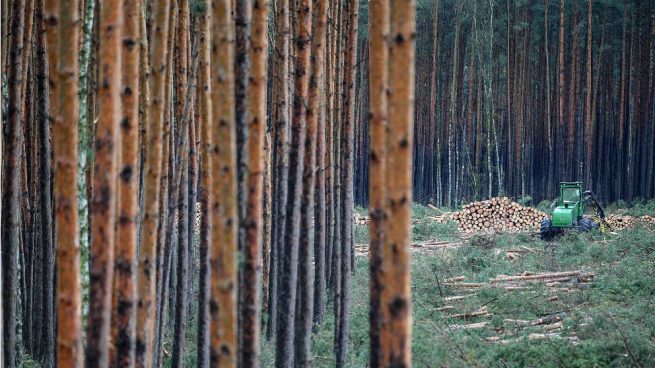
(571, 195)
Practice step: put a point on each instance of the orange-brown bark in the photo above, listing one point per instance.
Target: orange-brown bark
(256, 103)
(396, 333)
(204, 100)
(64, 131)
(153, 164)
(124, 287)
(103, 203)
(223, 192)
(379, 75)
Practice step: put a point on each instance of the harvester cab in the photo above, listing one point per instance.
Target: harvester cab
(567, 212)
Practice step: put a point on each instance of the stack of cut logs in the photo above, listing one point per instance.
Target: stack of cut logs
(497, 214)
(622, 222)
(361, 220)
(650, 220)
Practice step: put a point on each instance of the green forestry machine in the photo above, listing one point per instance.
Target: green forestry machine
(567, 212)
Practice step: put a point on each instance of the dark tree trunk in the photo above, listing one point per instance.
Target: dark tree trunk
(11, 187)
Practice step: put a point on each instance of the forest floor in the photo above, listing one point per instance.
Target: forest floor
(596, 311)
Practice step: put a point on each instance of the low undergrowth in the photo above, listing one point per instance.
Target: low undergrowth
(606, 322)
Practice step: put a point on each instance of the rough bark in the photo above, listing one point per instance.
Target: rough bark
(47, 341)
(379, 82)
(184, 142)
(11, 190)
(124, 287)
(561, 123)
(223, 192)
(396, 296)
(589, 129)
(153, 165)
(306, 254)
(281, 165)
(64, 131)
(103, 204)
(206, 178)
(317, 111)
(347, 172)
(286, 297)
(253, 222)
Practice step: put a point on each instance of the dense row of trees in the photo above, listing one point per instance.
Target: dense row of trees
(514, 96)
(177, 163)
(164, 166)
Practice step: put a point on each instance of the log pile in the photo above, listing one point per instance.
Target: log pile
(498, 214)
(650, 220)
(361, 220)
(622, 222)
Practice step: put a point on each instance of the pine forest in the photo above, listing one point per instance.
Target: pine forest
(327, 183)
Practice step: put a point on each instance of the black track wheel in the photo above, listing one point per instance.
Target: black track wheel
(546, 231)
(586, 225)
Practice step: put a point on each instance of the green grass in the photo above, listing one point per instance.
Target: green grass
(609, 316)
(612, 317)
(638, 207)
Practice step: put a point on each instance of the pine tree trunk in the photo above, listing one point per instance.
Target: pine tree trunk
(379, 75)
(452, 114)
(281, 165)
(168, 197)
(303, 356)
(147, 283)
(124, 287)
(318, 106)
(242, 15)
(103, 205)
(347, 172)
(620, 159)
(252, 267)
(561, 160)
(206, 179)
(396, 330)
(11, 186)
(64, 131)
(222, 195)
(550, 176)
(47, 341)
(289, 257)
(589, 128)
(183, 107)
